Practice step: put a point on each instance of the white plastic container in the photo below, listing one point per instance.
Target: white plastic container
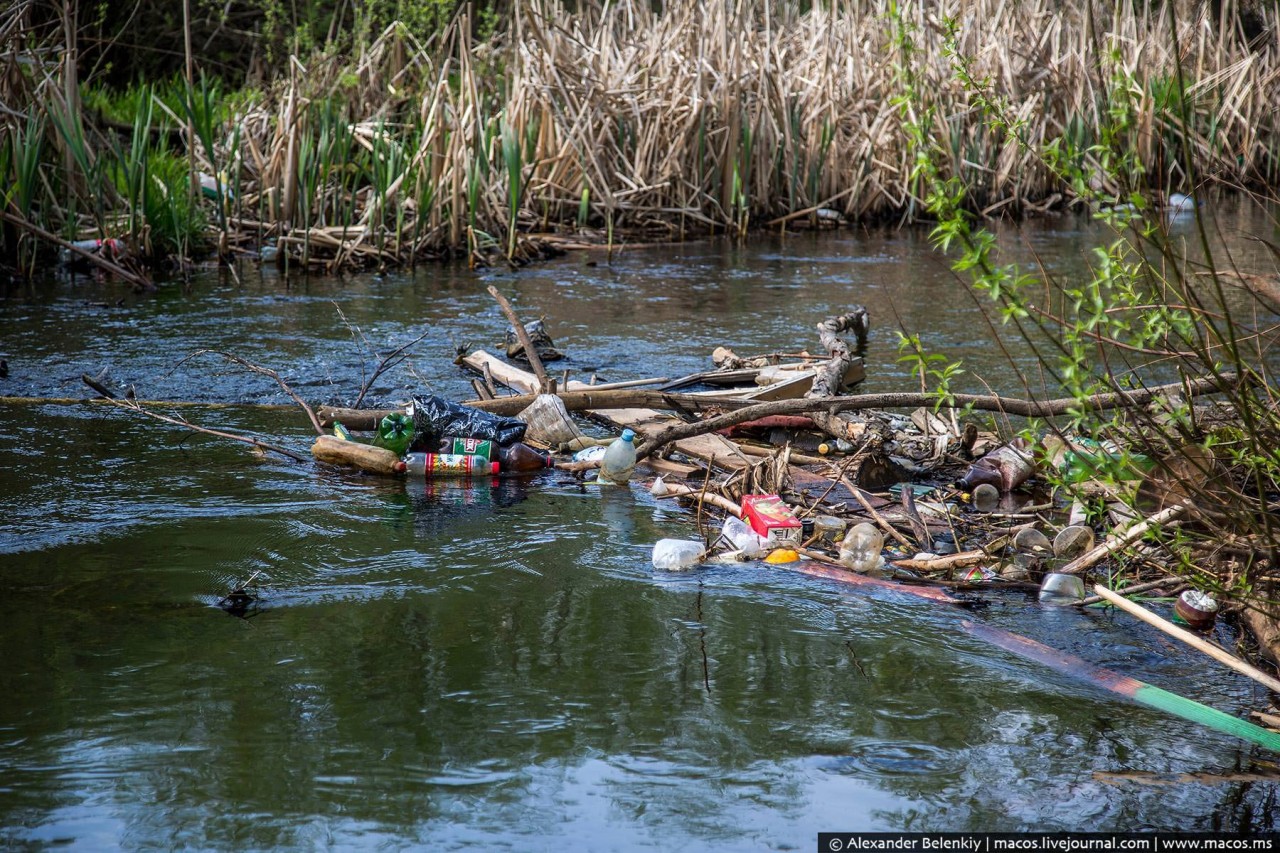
(619, 460)
(674, 554)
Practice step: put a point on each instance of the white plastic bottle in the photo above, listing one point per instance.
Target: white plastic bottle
(619, 459)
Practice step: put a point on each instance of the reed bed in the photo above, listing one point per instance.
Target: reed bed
(625, 123)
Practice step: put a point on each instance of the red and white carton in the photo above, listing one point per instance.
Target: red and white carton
(771, 518)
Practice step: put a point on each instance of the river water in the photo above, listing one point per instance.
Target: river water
(500, 666)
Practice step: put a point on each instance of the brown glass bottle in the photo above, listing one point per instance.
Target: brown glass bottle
(520, 458)
(1007, 467)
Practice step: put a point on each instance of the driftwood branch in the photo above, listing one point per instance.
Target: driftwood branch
(247, 439)
(523, 334)
(829, 378)
(990, 403)
(388, 361)
(265, 371)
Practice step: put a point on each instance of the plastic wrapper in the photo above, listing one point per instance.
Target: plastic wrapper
(435, 417)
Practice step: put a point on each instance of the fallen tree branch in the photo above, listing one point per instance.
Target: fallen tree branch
(679, 490)
(388, 361)
(866, 504)
(574, 401)
(92, 257)
(1116, 541)
(265, 371)
(523, 334)
(1187, 637)
(990, 403)
(247, 439)
(1137, 588)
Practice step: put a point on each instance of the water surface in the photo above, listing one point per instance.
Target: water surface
(499, 666)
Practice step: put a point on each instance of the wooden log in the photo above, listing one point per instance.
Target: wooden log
(1221, 656)
(829, 378)
(354, 454)
(945, 562)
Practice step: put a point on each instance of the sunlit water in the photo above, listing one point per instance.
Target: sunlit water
(499, 666)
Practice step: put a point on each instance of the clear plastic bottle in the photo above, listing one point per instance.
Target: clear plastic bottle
(432, 465)
(619, 459)
(860, 549)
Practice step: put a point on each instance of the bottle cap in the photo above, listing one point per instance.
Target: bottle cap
(628, 435)
(399, 467)
(493, 467)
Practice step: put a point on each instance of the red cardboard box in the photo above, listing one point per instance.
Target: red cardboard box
(771, 518)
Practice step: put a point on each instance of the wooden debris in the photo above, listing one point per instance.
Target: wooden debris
(355, 454)
(1121, 539)
(1187, 637)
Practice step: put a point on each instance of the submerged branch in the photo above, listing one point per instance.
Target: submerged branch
(247, 439)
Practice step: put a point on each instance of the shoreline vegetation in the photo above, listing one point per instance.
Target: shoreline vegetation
(616, 123)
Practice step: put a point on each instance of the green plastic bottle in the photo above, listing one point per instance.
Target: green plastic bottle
(395, 433)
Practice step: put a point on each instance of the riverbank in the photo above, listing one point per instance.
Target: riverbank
(623, 124)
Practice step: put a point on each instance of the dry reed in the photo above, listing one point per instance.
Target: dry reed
(719, 116)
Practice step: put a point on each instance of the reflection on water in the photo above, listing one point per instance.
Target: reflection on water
(496, 663)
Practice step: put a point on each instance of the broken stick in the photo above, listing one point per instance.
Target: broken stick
(1127, 537)
(534, 361)
(1187, 637)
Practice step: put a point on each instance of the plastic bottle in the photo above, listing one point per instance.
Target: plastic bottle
(395, 433)
(743, 538)
(860, 549)
(673, 554)
(432, 465)
(469, 446)
(515, 458)
(619, 459)
(1007, 467)
(110, 248)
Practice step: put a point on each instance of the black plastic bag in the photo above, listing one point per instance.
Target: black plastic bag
(435, 417)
